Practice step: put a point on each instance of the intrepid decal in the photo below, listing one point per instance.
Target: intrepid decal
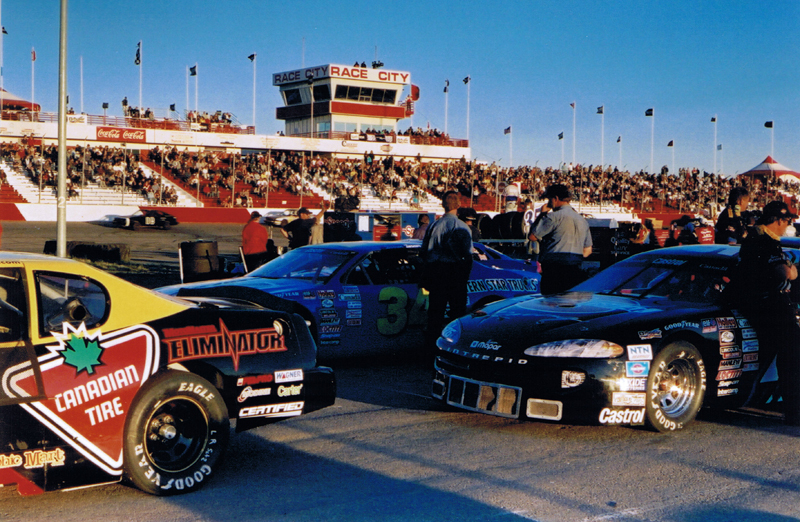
(222, 343)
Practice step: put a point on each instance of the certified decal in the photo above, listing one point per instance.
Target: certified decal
(208, 341)
(290, 409)
(651, 334)
(91, 380)
(640, 352)
(637, 368)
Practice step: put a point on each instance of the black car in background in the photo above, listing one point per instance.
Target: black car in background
(146, 218)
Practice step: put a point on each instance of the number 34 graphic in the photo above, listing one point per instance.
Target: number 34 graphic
(398, 316)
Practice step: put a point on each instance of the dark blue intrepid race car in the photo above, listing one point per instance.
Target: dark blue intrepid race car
(362, 298)
(646, 341)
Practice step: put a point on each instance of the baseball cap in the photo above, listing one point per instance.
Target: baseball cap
(776, 209)
(303, 210)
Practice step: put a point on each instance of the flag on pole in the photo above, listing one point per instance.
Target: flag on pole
(600, 109)
(713, 119)
(561, 135)
(446, 85)
(252, 57)
(193, 71)
(619, 139)
(719, 147)
(648, 112)
(671, 143)
(572, 105)
(138, 59)
(467, 79)
(507, 130)
(33, 55)
(4, 30)
(768, 124)
(172, 107)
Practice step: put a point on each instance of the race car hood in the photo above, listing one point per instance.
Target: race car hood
(513, 325)
(277, 294)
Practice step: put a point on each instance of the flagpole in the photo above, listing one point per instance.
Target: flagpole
(602, 138)
(33, 61)
(188, 107)
(196, 74)
(468, 89)
(1, 64)
(714, 119)
(562, 150)
(772, 141)
(573, 134)
(652, 139)
(61, 202)
(446, 95)
(140, 78)
(255, 57)
(511, 148)
(81, 84)
(619, 140)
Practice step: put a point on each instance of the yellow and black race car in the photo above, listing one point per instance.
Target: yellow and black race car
(103, 380)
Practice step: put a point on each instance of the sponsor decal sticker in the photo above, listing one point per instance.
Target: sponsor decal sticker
(329, 342)
(91, 380)
(309, 295)
(729, 348)
(628, 399)
(750, 345)
(640, 352)
(288, 376)
(327, 314)
(289, 409)
(632, 383)
(709, 325)
(353, 304)
(682, 324)
(326, 294)
(731, 355)
(727, 375)
(349, 297)
(626, 416)
(726, 336)
(726, 323)
(327, 303)
(330, 321)
(486, 345)
(290, 390)
(354, 322)
(652, 334)
(208, 341)
(250, 392)
(330, 336)
(730, 364)
(750, 367)
(748, 333)
(253, 380)
(743, 323)
(350, 289)
(727, 391)
(637, 368)
(750, 357)
(330, 329)
(728, 384)
(354, 314)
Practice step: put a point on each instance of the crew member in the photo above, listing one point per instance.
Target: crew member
(447, 253)
(564, 240)
(731, 227)
(759, 288)
(299, 230)
(254, 242)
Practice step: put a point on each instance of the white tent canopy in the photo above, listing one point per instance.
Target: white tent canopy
(770, 167)
(14, 102)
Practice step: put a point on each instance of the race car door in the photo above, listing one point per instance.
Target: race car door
(385, 311)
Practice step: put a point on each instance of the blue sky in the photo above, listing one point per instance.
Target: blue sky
(528, 60)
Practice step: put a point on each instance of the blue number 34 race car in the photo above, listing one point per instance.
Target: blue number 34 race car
(363, 298)
(103, 380)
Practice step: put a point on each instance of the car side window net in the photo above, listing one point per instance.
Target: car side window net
(387, 267)
(69, 299)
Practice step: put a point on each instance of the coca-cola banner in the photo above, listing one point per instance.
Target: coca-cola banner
(120, 134)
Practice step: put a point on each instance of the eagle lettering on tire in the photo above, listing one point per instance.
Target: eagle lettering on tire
(675, 387)
(176, 434)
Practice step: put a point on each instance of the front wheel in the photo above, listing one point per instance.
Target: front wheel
(176, 434)
(675, 387)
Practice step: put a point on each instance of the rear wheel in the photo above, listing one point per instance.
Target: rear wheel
(175, 435)
(675, 387)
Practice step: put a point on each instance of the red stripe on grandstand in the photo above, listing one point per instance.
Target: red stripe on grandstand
(10, 212)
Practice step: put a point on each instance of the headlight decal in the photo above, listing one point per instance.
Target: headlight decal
(579, 348)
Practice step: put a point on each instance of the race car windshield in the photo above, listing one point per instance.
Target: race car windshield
(672, 279)
(311, 264)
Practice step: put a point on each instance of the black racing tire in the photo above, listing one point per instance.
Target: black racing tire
(135, 225)
(675, 387)
(166, 225)
(175, 435)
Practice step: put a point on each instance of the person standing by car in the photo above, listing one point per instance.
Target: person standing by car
(299, 231)
(759, 287)
(564, 240)
(254, 242)
(422, 222)
(447, 254)
(731, 227)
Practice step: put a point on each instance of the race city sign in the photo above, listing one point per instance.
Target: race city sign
(340, 71)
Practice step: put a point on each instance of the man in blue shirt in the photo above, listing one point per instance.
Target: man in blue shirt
(564, 240)
(447, 253)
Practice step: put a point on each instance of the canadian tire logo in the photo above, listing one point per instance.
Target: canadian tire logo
(90, 380)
